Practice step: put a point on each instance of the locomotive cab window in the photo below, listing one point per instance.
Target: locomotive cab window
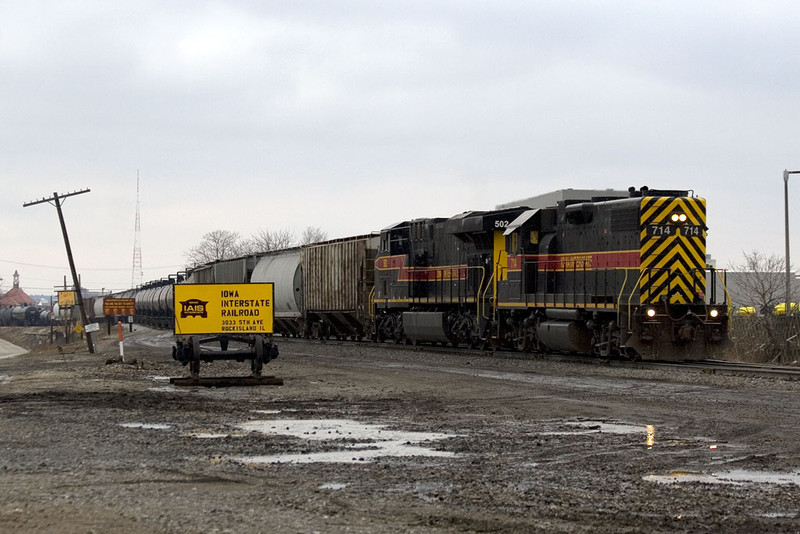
(512, 242)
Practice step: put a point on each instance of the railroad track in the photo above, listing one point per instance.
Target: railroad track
(744, 369)
(719, 367)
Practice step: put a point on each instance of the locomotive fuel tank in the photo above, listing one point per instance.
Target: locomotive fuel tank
(426, 326)
(568, 336)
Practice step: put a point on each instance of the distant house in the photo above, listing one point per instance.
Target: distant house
(16, 296)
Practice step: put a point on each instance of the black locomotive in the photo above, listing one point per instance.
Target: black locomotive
(607, 276)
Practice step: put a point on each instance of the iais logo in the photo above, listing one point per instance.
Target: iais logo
(194, 308)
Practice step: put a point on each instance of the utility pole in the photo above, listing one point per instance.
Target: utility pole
(788, 301)
(56, 200)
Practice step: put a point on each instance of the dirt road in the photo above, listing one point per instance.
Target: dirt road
(365, 438)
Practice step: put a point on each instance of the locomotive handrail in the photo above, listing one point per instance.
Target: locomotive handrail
(725, 288)
(641, 275)
(622, 290)
(371, 299)
(478, 292)
(729, 306)
(488, 285)
(693, 273)
(649, 271)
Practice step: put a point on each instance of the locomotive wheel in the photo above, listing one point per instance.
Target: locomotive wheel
(631, 354)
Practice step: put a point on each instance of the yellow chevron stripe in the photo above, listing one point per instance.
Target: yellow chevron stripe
(671, 260)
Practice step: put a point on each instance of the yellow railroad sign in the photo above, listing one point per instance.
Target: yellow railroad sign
(223, 308)
(66, 298)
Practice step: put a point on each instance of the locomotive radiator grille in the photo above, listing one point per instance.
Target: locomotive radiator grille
(673, 249)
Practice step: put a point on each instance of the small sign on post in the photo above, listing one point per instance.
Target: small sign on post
(119, 306)
(121, 350)
(66, 299)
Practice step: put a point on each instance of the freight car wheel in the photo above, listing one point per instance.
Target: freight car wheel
(256, 366)
(194, 362)
(257, 363)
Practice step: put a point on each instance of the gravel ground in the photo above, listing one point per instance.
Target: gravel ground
(366, 438)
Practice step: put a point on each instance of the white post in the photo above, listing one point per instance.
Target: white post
(121, 350)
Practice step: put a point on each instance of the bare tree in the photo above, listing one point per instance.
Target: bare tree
(313, 234)
(759, 281)
(215, 246)
(224, 244)
(266, 240)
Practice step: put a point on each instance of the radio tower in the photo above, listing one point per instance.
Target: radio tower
(137, 274)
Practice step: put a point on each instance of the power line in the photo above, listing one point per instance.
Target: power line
(13, 262)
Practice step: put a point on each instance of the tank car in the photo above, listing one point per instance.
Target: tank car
(5, 316)
(154, 302)
(96, 311)
(25, 315)
(604, 276)
(61, 315)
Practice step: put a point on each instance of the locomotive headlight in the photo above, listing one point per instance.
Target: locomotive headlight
(714, 313)
(674, 217)
(651, 312)
(682, 217)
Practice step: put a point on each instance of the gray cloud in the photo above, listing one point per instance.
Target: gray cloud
(352, 115)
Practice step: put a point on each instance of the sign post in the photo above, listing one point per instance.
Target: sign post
(121, 350)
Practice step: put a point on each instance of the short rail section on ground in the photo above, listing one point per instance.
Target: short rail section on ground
(227, 381)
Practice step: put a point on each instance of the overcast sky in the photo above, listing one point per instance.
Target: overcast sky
(352, 115)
